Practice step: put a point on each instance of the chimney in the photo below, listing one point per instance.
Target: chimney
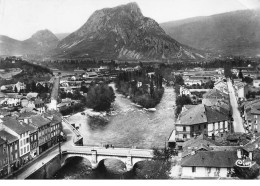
(239, 153)
(250, 155)
(193, 151)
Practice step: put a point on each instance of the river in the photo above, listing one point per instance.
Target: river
(129, 126)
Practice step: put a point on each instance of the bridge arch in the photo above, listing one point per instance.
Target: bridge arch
(112, 164)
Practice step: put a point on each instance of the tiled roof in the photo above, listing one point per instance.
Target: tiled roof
(16, 126)
(2, 141)
(201, 139)
(215, 94)
(202, 114)
(39, 121)
(214, 115)
(210, 159)
(195, 115)
(252, 145)
(26, 115)
(10, 138)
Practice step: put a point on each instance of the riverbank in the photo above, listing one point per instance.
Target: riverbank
(129, 126)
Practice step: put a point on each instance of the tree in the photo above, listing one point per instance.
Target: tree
(15, 89)
(100, 97)
(159, 167)
(33, 87)
(240, 74)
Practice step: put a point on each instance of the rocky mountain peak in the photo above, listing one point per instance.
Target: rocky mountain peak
(122, 32)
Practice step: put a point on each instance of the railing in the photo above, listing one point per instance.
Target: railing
(78, 135)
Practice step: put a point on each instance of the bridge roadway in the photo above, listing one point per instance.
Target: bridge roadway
(69, 148)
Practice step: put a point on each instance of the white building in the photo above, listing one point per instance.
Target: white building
(206, 164)
(256, 83)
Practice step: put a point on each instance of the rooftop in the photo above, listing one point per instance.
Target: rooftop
(217, 159)
(16, 126)
(202, 114)
(10, 138)
(39, 121)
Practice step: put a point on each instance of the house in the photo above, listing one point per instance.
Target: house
(241, 89)
(251, 115)
(43, 126)
(256, 83)
(20, 86)
(22, 131)
(221, 86)
(206, 164)
(184, 91)
(198, 119)
(192, 82)
(90, 75)
(12, 149)
(3, 157)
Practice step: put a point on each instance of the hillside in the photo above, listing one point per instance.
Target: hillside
(40, 43)
(235, 33)
(123, 32)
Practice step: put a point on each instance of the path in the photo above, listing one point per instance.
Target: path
(238, 122)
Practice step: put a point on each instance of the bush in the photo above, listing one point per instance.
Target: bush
(100, 97)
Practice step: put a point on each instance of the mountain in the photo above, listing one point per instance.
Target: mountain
(61, 36)
(39, 43)
(123, 32)
(232, 33)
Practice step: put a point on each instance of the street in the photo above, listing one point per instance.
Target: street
(238, 122)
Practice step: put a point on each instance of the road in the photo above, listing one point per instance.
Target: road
(238, 122)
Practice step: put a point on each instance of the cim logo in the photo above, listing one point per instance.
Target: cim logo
(244, 163)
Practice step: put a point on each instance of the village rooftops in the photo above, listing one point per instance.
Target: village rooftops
(16, 126)
(9, 137)
(39, 121)
(201, 114)
(26, 115)
(215, 94)
(201, 139)
(252, 145)
(218, 159)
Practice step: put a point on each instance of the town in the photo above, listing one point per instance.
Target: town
(113, 94)
(215, 114)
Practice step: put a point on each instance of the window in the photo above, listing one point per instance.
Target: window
(27, 140)
(28, 148)
(4, 149)
(24, 149)
(21, 143)
(184, 129)
(35, 137)
(11, 157)
(11, 148)
(184, 136)
(15, 147)
(205, 126)
(209, 169)
(193, 169)
(16, 155)
(199, 127)
(24, 141)
(31, 138)
(21, 152)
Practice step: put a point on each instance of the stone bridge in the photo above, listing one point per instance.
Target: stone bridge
(95, 155)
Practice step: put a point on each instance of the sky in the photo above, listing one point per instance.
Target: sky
(19, 19)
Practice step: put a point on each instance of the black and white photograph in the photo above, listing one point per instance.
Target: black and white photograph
(129, 90)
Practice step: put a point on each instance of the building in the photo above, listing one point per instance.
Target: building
(206, 164)
(256, 83)
(241, 89)
(3, 157)
(198, 119)
(221, 86)
(251, 115)
(34, 143)
(43, 126)
(21, 130)
(190, 82)
(12, 149)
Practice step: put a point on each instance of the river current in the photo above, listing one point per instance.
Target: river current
(128, 126)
